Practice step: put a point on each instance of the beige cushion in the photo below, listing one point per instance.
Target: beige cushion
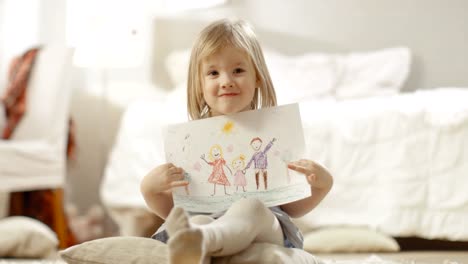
(264, 253)
(145, 250)
(117, 250)
(348, 239)
(23, 237)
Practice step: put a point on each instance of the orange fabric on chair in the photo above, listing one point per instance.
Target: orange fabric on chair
(14, 98)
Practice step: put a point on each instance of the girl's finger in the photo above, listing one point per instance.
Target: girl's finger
(299, 169)
(306, 163)
(176, 176)
(179, 183)
(296, 162)
(174, 170)
(168, 166)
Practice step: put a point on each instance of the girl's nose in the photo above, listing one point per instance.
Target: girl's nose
(227, 82)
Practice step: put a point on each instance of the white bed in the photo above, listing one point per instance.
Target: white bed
(399, 162)
(399, 158)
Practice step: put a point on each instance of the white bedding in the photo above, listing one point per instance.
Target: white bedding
(400, 162)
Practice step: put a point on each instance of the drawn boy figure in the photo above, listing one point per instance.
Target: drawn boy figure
(260, 160)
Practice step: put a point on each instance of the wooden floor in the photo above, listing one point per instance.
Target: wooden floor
(407, 257)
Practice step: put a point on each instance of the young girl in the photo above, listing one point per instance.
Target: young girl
(228, 74)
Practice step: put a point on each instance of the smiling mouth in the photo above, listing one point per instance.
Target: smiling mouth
(228, 94)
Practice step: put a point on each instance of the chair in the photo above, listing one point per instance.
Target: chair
(33, 160)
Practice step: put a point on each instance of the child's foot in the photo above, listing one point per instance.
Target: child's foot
(186, 247)
(177, 220)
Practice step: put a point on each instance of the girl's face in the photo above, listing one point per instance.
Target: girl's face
(238, 164)
(229, 81)
(216, 153)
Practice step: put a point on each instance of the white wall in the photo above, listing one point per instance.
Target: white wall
(435, 30)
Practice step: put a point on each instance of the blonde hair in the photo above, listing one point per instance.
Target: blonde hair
(211, 151)
(241, 157)
(217, 35)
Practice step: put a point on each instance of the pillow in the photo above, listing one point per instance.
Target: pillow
(303, 77)
(265, 253)
(343, 76)
(348, 240)
(117, 250)
(23, 237)
(376, 73)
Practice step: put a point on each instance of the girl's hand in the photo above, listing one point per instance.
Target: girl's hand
(316, 175)
(320, 181)
(165, 177)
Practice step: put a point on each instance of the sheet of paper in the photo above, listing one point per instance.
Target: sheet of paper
(226, 158)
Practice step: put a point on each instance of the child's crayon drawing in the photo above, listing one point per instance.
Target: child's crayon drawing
(226, 158)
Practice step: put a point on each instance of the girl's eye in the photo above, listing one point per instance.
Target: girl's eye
(238, 70)
(213, 73)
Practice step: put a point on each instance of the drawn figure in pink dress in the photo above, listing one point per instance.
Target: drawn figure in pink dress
(239, 176)
(217, 161)
(260, 160)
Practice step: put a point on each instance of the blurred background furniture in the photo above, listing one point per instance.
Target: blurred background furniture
(33, 159)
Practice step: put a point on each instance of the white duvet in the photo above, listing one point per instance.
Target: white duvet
(400, 163)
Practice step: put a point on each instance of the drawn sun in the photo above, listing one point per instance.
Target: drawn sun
(228, 127)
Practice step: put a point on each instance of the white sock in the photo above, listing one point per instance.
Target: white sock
(186, 247)
(176, 220)
(185, 242)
